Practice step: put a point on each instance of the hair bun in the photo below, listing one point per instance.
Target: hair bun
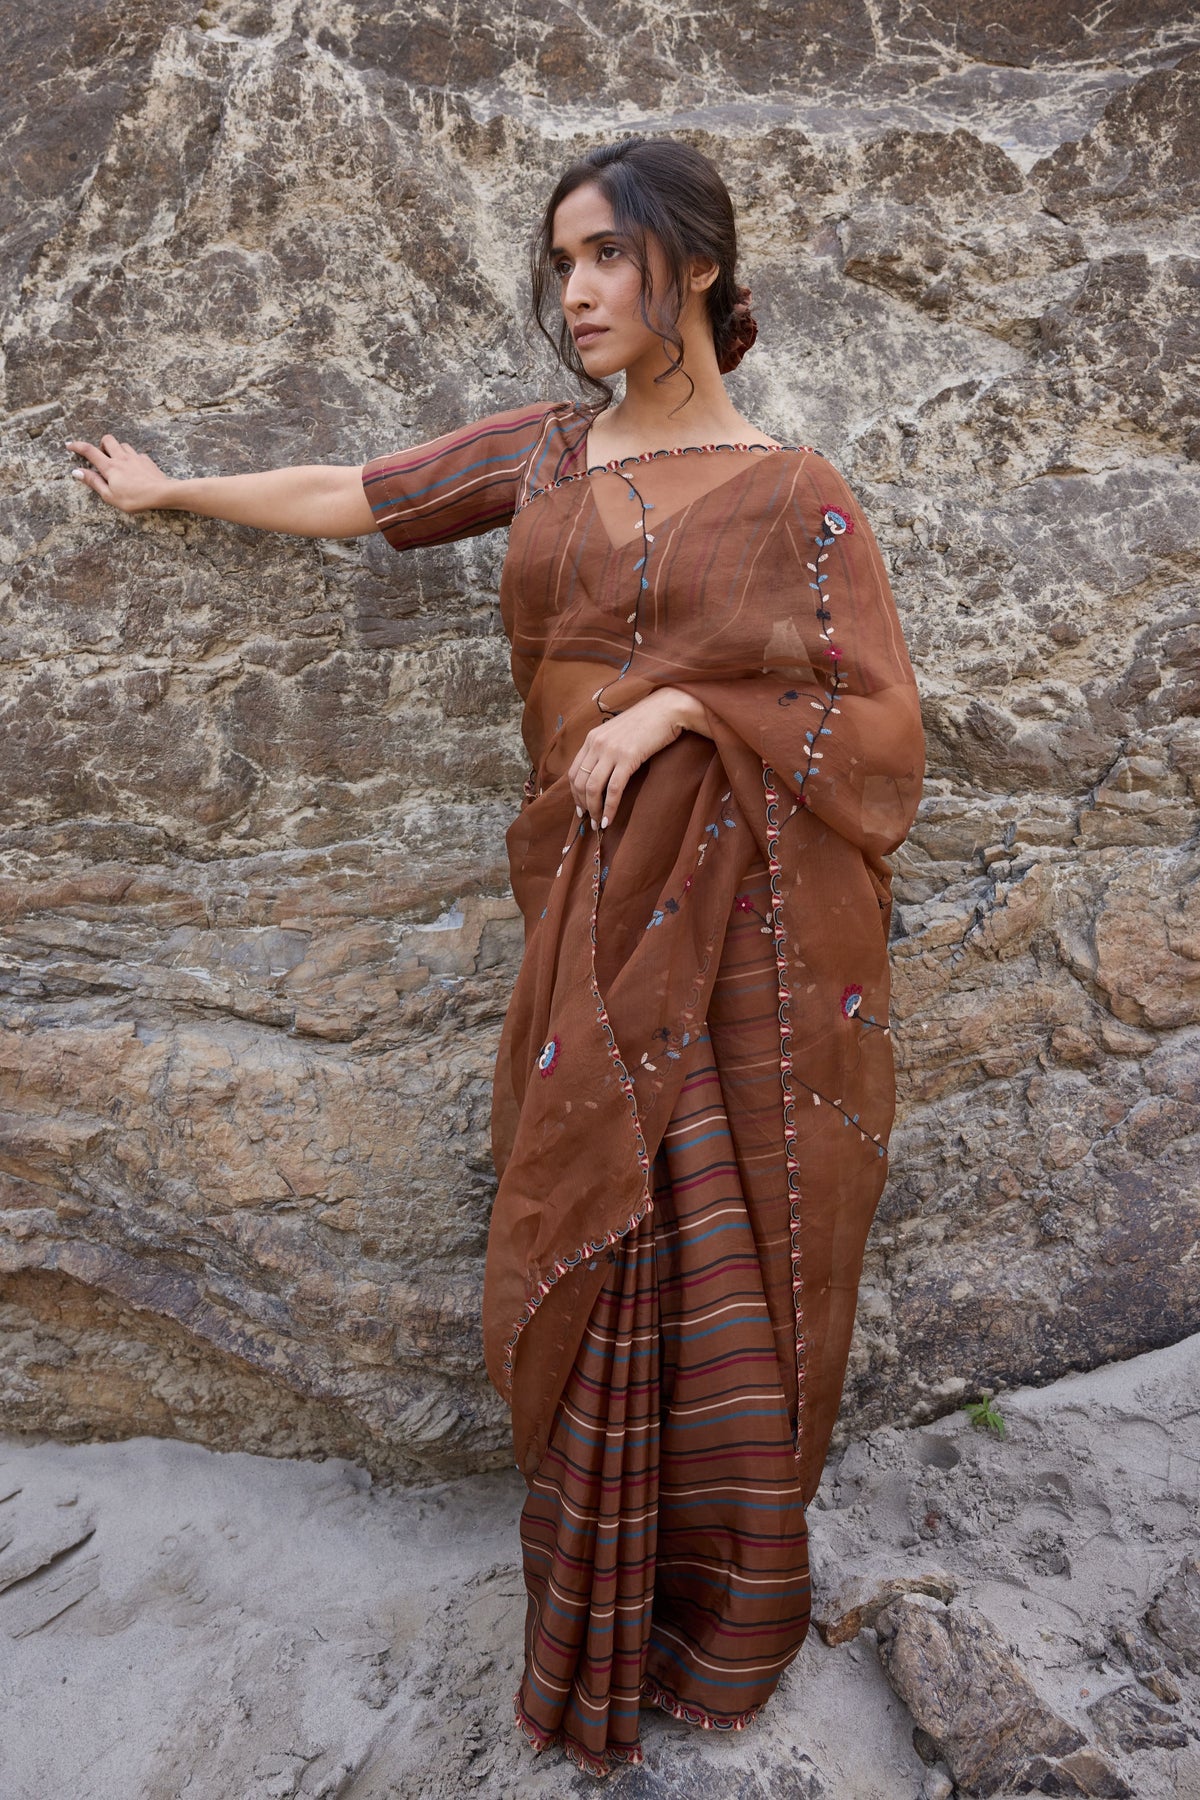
(739, 333)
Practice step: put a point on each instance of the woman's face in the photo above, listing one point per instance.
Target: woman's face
(600, 288)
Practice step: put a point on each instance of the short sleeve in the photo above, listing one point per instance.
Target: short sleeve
(458, 485)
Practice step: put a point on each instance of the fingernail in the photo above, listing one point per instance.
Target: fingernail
(603, 824)
(579, 812)
(77, 474)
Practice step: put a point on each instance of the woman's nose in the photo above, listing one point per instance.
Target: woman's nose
(575, 293)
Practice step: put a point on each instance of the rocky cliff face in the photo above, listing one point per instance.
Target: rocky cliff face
(256, 936)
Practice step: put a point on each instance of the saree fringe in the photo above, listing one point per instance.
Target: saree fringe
(693, 1715)
(652, 1695)
(571, 1747)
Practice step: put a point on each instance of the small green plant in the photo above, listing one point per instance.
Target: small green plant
(987, 1414)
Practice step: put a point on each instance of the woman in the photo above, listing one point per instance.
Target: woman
(694, 1086)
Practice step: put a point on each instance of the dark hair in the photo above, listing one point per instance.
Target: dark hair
(664, 187)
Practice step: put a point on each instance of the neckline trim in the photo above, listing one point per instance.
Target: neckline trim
(615, 464)
(619, 463)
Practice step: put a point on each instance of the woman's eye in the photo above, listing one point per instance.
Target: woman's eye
(605, 248)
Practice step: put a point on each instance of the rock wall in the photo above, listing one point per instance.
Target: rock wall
(256, 933)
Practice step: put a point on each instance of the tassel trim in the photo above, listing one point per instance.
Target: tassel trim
(662, 1697)
(601, 1763)
(591, 1763)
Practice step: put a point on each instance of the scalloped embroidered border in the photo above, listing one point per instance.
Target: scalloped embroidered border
(778, 936)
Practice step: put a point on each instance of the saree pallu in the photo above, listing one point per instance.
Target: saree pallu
(750, 579)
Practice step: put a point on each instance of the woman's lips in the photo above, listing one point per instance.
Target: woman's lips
(589, 336)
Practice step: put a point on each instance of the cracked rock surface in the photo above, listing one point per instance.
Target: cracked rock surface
(256, 938)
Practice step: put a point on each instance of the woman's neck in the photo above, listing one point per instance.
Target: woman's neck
(620, 430)
(669, 415)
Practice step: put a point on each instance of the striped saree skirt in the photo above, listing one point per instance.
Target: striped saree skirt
(664, 1539)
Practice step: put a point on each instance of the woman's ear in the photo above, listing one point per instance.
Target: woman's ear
(703, 274)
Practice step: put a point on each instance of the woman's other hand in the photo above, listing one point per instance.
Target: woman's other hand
(610, 753)
(124, 477)
(323, 500)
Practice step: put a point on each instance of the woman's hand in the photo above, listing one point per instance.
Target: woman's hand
(611, 752)
(126, 478)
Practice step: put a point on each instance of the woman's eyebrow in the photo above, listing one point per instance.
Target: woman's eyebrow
(593, 238)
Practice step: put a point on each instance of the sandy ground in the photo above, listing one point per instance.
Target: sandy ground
(179, 1622)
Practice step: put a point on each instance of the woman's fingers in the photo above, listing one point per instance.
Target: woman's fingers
(585, 771)
(93, 479)
(597, 781)
(583, 758)
(612, 797)
(589, 772)
(99, 457)
(125, 477)
(612, 752)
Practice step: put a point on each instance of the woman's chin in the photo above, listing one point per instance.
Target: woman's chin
(602, 361)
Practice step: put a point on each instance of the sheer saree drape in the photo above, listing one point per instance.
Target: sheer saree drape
(750, 578)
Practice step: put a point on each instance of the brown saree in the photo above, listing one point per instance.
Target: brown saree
(694, 1087)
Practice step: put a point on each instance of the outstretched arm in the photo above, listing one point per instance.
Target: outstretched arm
(324, 500)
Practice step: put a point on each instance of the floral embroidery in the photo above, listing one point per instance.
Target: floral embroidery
(666, 1039)
(548, 1056)
(836, 522)
(745, 904)
(850, 1003)
(711, 832)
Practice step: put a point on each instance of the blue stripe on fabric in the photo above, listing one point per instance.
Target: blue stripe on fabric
(745, 1319)
(673, 1149)
(749, 1412)
(550, 1699)
(413, 494)
(698, 1237)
